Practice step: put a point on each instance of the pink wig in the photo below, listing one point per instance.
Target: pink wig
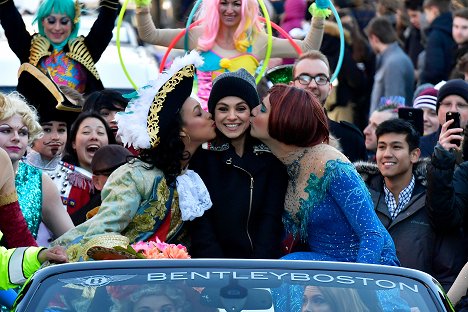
(250, 23)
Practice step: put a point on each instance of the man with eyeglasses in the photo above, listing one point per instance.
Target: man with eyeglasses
(312, 72)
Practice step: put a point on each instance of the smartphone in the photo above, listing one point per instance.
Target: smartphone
(414, 116)
(455, 116)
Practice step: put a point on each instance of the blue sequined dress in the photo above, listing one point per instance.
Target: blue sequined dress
(28, 183)
(337, 219)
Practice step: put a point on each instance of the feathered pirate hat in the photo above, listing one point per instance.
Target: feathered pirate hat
(148, 115)
(41, 92)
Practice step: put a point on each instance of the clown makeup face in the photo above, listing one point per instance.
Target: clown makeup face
(52, 143)
(14, 135)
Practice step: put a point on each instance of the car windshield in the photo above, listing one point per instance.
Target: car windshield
(169, 289)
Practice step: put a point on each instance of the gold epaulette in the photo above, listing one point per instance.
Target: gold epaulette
(39, 48)
(109, 4)
(80, 53)
(8, 199)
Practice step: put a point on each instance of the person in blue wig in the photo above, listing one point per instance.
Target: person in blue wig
(57, 50)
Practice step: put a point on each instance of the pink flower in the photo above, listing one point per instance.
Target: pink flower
(173, 252)
(161, 250)
(141, 246)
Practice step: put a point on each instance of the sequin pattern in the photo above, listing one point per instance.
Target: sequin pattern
(65, 71)
(334, 212)
(28, 182)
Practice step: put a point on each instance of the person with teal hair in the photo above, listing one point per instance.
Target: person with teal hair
(57, 50)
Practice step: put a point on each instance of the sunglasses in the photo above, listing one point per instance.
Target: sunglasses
(51, 20)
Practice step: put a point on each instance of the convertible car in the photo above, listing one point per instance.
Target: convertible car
(229, 285)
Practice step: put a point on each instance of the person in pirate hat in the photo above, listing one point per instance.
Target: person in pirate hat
(57, 107)
(153, 195)
(70, 59)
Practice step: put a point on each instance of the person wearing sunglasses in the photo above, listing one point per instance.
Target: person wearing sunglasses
(57, 50)
(312, 72)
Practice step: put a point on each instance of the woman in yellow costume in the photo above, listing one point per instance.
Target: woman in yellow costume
(230, 37)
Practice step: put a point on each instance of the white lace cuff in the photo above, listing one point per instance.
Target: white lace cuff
(194, 198)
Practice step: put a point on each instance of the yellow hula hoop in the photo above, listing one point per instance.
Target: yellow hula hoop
(119, 24)
(269, 42)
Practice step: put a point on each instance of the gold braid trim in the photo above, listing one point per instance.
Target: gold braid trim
(8, 199)
(3, 2)
(176, 217)
(39, 48)
(109, 4)
(79, 52)
(159, 99)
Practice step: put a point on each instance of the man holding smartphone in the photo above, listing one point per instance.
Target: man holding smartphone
(447, 179)
(452, 98)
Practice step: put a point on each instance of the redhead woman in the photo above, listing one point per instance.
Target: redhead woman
(37, 194)
(229, 37)
(153, 195)
(327, 204)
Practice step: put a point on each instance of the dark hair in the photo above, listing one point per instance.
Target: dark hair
(399, 126)
(463, 13)
(383, 29)
(414, 5)
(70, 155)
(169, 152)
(296, 117)
(109, 99)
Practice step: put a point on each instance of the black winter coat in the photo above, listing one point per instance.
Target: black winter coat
(447, 197)
(248, 201)
(439, 50)
(418, 245)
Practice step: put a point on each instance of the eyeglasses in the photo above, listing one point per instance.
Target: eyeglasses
(305, 79)
(51, 20)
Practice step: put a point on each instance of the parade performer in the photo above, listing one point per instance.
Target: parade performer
(230, 37)
(153, 195)
(12, 223)
(327, 204)
(37, 195)
(57, 50)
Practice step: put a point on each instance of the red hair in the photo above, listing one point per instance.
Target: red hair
(296, 117)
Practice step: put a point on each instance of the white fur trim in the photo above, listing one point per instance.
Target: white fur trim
(133, 122)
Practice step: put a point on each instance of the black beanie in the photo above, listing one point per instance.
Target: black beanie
(239, 83)
(452, 87)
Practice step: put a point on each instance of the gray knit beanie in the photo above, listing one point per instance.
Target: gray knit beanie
(239, 83)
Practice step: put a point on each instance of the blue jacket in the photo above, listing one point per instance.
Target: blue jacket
(439, 50)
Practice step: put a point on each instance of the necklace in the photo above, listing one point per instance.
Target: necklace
(294, 168)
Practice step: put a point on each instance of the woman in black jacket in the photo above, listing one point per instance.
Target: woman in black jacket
(247, 184)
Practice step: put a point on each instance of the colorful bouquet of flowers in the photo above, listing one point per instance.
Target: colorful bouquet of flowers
(155, 250)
